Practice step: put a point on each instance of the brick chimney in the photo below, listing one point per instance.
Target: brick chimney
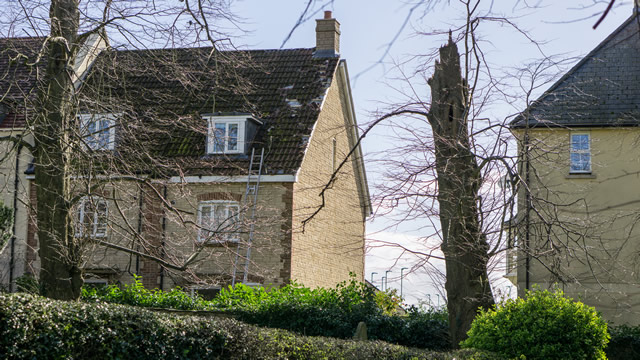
(327, 37)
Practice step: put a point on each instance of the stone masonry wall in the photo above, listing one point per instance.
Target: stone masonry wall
(332, 244)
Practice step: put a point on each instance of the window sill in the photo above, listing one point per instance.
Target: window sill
(580, 176)
(231, 152)
(223, 243)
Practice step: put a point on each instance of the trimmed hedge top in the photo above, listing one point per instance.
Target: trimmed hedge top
(32, 327)
(332, 312)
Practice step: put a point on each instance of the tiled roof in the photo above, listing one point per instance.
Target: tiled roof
(170, 89)
(17, 78)
(603, 89)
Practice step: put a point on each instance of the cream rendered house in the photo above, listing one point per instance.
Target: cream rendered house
(215, 163)
(578, 227)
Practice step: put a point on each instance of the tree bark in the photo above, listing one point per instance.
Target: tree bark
(464, 244)
(60, 273)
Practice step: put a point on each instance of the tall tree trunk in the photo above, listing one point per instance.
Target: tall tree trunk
(464, 244)
(60, 273)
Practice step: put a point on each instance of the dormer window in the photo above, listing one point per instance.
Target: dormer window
(230, 134)
(98, 130)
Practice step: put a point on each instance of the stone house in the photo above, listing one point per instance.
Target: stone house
(578, 146)
(211, 159)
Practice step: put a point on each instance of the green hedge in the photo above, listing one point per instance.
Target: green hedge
(32, 327)
(624, 343)
(333, 312)
(136, 294)
(543, 325)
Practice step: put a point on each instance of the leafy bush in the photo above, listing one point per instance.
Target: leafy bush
(420, 328)
(35, 327)
(136, 294)
(336, 313)
(544, 325)
(625, 343)
(319, 312)
(324, 312)
(28, 283)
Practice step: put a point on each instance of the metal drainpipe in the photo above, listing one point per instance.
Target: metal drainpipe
(528, 209)
(16, 184)
(139, 228)
(164, 236)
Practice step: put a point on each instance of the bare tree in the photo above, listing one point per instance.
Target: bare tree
(74, 175)
(460, 165)
(453, 162)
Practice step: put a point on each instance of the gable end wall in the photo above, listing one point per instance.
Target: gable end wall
(332, 244)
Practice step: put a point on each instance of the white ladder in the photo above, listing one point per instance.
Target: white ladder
(241, 263)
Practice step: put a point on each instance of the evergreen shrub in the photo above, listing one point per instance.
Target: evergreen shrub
(32, 327)
(624, 343)
(543, 325)
(333, 312)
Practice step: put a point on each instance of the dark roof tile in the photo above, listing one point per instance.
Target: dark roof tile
(601, 90)
(173, 87)
(18, 77)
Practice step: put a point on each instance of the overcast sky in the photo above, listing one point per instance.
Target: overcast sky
(379, 34)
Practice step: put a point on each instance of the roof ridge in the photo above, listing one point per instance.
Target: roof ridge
(23, 38)
(210, 47)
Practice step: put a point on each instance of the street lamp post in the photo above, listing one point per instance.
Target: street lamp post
(401, 277)
(373, 273)
(386, 279)
(382, 283)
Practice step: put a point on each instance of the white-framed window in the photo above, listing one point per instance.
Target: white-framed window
(98, 130)
(91, 217)
(218, 221)
(225, 134)
(580, 161)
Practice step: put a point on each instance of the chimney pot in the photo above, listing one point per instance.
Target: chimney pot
(327, 14)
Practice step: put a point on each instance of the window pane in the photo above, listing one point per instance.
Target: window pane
(220, 217)
(218, 137)
(233, 137)
(580, 142)
(205, 223)
(91, 129)
(103, 134)
(80, 219)
(234, 221)
(87, 217)
(101, 219)
(98, 130)
(580, 162)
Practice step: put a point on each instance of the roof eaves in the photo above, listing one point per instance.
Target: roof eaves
(362, 173)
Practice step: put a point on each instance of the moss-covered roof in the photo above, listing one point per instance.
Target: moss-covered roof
(164, 94)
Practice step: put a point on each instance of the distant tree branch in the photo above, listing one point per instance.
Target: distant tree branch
(604, 15)
(334, 175)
